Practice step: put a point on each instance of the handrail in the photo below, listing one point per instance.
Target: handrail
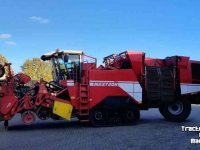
(89, 56)
(92, 58)
(73, 74)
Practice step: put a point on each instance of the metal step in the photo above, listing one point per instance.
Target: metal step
(84, 90)
(84, 114)
(84, 96)
(84, 108)
(84, 102)
(84, 120)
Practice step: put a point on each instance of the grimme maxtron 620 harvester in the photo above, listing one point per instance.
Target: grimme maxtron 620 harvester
(106, 95)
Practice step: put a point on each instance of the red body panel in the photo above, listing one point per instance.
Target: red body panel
(89, 66)
(113, 75)
(98, 93)
(137, 63)
(8, 100)
(23, 78)
(74, 94)
(183, 63)
(7, 103)
(73, 90)
(186, 76)
(154, 62)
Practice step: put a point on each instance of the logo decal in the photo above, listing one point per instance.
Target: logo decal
(103, 84)
(9, 104)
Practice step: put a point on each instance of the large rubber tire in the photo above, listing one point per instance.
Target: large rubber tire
(176, 112)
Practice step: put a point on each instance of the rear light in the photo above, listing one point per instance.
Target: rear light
(5, 117)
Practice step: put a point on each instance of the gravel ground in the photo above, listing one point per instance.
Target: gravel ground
(152, 132)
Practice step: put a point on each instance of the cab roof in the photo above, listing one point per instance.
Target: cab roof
(49, 55)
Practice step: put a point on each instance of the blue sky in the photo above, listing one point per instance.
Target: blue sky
(99, 28)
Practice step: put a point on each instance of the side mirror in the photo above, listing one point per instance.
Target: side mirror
(66, 58)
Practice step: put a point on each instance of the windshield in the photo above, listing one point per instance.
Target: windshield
(62, 70)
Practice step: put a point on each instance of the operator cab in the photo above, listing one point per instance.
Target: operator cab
(65, 64)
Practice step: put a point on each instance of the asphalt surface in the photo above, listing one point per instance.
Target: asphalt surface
(152, 133)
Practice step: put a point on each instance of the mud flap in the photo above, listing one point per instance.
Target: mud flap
(63, 109)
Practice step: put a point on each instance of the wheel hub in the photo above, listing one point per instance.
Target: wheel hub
(176, 108)
(111, 121)
(28, 117)
(130, 114)
(98, 116)
(118, 121)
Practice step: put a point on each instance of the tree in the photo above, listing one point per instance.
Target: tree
(2, 59)
(37, 69)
